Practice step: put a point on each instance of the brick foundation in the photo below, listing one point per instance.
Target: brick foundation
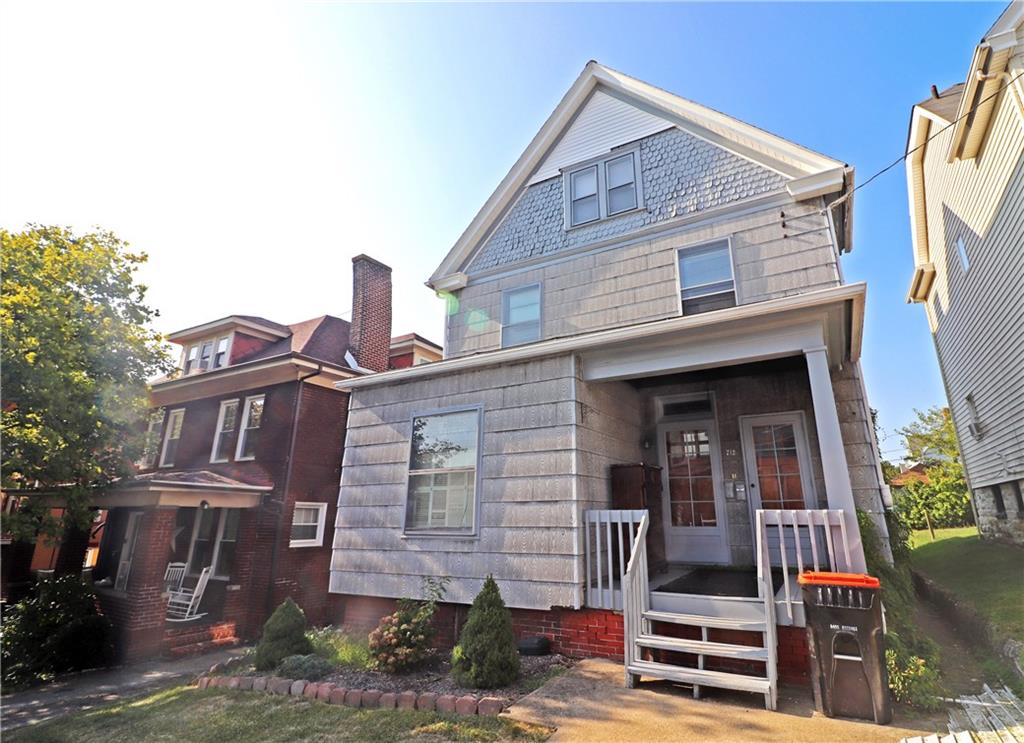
(592, 633)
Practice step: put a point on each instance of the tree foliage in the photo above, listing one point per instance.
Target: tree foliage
(486, 656)
(932, 437)
(76, 354)
(942, 497)
(284, 634)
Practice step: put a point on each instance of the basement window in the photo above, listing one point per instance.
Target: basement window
(706, 279)
(308, 521)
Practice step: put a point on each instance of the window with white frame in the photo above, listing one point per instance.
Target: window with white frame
(308, 521)
(214, 541)
(151, 442)
(520, 315)
(961, 249)
(252, 417)
(442, 472)
(706, 279)
(172, 435)
(603, 189)
(227, 422)
(206, 355)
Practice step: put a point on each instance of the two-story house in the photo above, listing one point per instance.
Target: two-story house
(965, 182)
(656, 284)
(240, 474)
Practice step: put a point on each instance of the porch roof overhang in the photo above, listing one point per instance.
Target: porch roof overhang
(833, 316)
(215, 490)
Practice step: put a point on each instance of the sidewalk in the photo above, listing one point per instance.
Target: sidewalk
(93, 688)
(590, 703)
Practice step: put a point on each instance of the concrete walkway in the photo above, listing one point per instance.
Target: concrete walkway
(86, 690)
(590, 703)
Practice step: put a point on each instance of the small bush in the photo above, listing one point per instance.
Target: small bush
(403, 640)
(308, 667)
(340, 648)
(284, 634)
(486, 656)
(55, 630)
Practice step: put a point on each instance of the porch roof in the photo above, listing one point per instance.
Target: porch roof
(185, 489)
(836, 314)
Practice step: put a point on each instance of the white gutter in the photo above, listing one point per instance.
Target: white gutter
(849, 292)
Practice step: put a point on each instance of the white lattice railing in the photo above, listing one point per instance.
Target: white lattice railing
(609, 539)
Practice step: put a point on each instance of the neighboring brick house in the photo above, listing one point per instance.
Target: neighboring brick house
(965, 183)
(240, 473)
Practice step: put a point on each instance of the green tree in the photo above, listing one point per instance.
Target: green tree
(486, 656)
(76, 353)
(284, 634)
(931, 438)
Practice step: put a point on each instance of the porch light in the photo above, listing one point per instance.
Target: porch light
(204, 504)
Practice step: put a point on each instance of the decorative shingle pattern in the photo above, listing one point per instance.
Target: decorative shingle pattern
(682, 174)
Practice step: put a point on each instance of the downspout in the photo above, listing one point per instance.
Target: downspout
(276, 547)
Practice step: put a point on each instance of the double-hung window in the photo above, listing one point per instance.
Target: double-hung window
(252, 417)
(151, 442)
(706, 280)
(442, 472)
(602, 189)
(207, 355)
(227, 422)
(172, 435)
(520, 315)
(308, 525)
(214, 540)
(191, 358)
(220, 354)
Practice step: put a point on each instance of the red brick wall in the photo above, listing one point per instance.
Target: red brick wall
(402, 360)
(590, 633)
(371, 313)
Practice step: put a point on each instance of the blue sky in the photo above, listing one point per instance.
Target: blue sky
(252, 149)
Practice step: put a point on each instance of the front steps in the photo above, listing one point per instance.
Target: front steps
(660, 653)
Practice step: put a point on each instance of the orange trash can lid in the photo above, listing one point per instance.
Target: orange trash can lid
(847, 580)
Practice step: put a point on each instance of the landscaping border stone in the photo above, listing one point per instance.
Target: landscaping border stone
(365, 698)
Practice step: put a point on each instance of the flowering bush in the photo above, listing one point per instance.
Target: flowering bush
(403, 640)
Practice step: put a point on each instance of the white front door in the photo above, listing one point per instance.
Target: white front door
(693, 506)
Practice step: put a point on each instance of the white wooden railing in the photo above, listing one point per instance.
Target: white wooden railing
(805, 539)
(636, 595)
(609, 540)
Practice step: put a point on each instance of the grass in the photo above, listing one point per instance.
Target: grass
(989, 576)
(339, 648)
(188, 714)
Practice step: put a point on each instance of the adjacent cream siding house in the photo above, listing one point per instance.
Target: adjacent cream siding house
(966, 190)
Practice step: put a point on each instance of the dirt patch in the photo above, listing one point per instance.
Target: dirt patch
(961, 672)
(436, 677)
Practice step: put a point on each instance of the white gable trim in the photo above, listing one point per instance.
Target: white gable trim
(768, 149)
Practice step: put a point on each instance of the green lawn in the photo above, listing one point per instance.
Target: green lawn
(216, 715)
(987, 575)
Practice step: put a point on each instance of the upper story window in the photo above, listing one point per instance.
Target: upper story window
(206, 355)
(172, 435)
(442, 472)
(961, 249)
(252, 417)
(308, 520)
(151, 442)
(520, 315)
(227, 422)
(706, 279)
(602, 189)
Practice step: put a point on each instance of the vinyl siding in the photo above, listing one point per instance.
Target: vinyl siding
(977, 316)
(638, 282)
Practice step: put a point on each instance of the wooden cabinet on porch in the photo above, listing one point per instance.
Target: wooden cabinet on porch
(636, 486)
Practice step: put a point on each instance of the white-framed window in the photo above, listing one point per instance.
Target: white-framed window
(308, 520)
(443, 461)
(252, 417)
(520, 315)
(227, 422)
(206, 355)
(961, 250)
(706, 280)
(603, 188)
(151, 441)
(214, 541)
(172, 435)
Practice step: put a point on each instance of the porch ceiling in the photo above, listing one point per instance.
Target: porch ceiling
(776, 333)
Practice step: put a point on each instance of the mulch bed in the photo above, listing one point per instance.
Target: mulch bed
(435, 677)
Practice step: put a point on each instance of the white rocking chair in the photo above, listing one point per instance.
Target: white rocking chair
(174, 576)
(183, 604)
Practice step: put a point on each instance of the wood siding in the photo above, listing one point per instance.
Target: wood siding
(638, 282)
(977, 315)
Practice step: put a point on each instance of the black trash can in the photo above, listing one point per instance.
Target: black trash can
(847, 645)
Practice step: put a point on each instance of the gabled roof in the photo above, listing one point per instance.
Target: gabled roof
(946, 104)
(810, 173)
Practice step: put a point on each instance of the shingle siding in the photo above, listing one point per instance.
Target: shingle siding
(681, 174)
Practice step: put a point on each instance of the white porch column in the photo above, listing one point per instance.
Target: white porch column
(833, 453)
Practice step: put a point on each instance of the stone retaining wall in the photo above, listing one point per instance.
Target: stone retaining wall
(357, 698)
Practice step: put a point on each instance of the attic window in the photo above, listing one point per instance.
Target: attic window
(206, 355)
(603, 188)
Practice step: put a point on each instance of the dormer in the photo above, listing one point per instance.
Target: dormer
(224, 342)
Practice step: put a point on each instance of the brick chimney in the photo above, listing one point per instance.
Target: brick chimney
(370, 336)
